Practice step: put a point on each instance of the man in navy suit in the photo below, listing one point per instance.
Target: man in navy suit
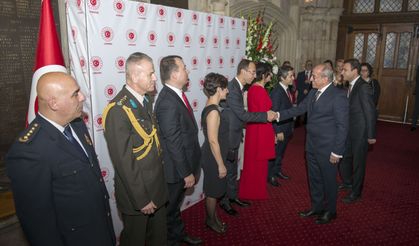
(238, 117)
(303, 87)
(59, 193)
(362, 119)
(281, 99)
(327, 127)
(179, 140)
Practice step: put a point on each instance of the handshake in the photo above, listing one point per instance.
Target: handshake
(272, 116)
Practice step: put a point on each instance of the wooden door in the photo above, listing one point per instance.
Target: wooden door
(397, 61)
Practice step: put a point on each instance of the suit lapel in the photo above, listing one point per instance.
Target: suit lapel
(59, 139)
(85, 141)
(355, 88)
(180, 101)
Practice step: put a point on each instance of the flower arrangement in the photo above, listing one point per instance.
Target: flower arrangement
(260, 47)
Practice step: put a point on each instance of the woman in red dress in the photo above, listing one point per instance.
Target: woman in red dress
(259, 144)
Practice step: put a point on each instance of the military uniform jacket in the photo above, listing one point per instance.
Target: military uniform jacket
(139, 177)
(59, 192)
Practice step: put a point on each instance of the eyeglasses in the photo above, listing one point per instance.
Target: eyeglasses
(251, 72)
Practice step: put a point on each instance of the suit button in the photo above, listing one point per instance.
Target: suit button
(75, 171)
(100, 180)
(109, 214)
(91, 165)
(106, 197)
(73, 229)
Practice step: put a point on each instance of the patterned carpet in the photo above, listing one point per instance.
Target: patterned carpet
(387, 214)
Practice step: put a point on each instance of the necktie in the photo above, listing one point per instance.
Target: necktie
(349, 90)
(145, 101)
(185, 99)
(317, 95)
(69, 135)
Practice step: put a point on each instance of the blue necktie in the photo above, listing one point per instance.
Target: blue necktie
(69, 135)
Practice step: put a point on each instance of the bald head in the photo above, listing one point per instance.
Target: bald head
(59, 97)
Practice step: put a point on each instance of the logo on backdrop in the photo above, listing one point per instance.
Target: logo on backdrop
(209, 20)
(233, 23)
(227, 42)
(179, 16)
(201, 83)
(209, 62)
(194, 63)
(171, 39)
(85, 118)
(152, 38)
(96, 64)
(120, 64)
(110, 91)
(107, 34)
(188, 85)
(215, 41)
(243, 25)
(141, 10)
(187, 40)
(161, 13)
(98, 122)
(131, 36)
(119, 7)
(195, 18)
(82, 62)
(195, 105)
(221, 62)
(74, 33)
(94, 6)
(221, 22)
(238, 43)
(79, 5)
(202, 41)
(232, 61)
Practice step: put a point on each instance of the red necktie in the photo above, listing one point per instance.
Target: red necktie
(289, 95)
(185, 99)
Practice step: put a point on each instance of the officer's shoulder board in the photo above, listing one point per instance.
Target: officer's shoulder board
(29, 133)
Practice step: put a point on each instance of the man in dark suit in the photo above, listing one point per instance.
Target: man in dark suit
(362, 119)
(303, 87)
(130, 130)
(181, 150)
(59, 193)
(238, 116)
(327, 127)
(281, 99)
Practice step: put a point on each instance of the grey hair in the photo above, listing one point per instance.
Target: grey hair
(328, 73)
(133, 59)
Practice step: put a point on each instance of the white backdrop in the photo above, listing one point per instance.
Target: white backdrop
(103, 33)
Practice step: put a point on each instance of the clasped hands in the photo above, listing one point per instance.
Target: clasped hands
(272, 115)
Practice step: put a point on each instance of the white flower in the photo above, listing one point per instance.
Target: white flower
(275, 69)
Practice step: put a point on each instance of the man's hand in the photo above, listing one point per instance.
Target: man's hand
(280, 136)
(305, 91)
(189, 181)
(372, 141)
(334, 159)
(149, 208)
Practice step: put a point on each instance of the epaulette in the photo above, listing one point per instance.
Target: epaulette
(29, 133)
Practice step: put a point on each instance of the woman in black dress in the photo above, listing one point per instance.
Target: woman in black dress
(214, 150)
(366, 74)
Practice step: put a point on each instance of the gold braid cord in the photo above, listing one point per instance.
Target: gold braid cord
(147, 138)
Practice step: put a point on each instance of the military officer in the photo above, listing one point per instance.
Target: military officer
(134, 148)
(58, 189)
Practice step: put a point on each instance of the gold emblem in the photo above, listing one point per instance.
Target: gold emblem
(89, 142)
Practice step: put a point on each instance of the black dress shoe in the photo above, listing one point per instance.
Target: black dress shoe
(281, 175)
(344, 187)
(413, 129)
(240, 202)
(351, 198)
(191, 240)
(325, 218)
(228, 209)
(272, 181)
(309, 213)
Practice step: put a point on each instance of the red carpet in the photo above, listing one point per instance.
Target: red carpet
(388, 213)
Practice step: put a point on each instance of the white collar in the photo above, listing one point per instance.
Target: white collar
(240, 84)
(55, 124)
(352, 83)
(137, 95)
(283, 86)
(324, 88)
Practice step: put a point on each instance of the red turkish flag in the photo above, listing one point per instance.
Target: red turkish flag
(48, 55)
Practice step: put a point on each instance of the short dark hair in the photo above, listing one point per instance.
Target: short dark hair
(212, 81)
(283, 72)
(355, 64)
(135, 58)
(243, 64)
(330, 62)
(286, 63)
(262, 69)
(369, 67)
(167, 66)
